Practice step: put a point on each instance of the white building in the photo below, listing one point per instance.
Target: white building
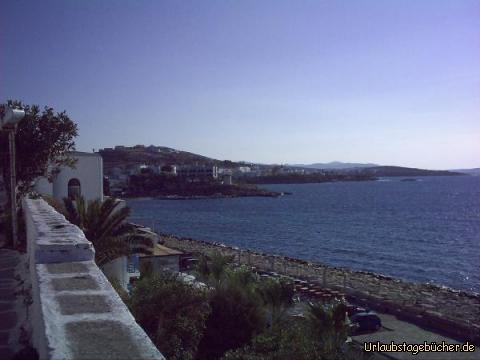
(244, 169)
(197, 172)
(168, 170)
(86, 179)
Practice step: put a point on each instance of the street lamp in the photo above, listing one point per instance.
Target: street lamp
(8, 122)
(11, 117)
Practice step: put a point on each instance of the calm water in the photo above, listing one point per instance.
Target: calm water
(424, 231)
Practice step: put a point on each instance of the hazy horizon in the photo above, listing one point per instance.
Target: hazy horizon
(293, 82)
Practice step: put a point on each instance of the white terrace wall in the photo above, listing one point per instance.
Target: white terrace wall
(76, 312)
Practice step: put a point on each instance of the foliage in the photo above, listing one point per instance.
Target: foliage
(275, 343)
(172, 313)
(328, 328)
(43, 141)
(235, 326)
(320, 335)
(104, 224)
(237, 308)
(277, 296)
(236, 317)
(213, 268)
(149, 184)
(55, 203)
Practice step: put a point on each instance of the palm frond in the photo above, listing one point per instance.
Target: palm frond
(104, 224)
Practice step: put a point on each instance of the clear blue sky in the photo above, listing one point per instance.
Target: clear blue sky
(390, 82)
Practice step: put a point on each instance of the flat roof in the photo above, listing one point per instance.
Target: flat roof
(82, 153)
(161, 250)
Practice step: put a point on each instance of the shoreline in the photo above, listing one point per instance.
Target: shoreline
(446, 310)
(193, 195)
(198, 197)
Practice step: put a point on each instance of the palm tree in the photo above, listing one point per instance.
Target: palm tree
(215, 268)
(328, 328)
(277, 296)
(104, 224)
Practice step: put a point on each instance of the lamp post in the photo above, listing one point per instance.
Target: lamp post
(8, 122)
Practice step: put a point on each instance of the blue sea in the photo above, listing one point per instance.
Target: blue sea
(423, 231)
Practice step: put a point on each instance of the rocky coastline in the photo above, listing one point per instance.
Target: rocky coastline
(451, 312)
(219, 196)
(198, 190)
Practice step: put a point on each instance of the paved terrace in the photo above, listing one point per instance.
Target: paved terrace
(76, 313)
(8, 315)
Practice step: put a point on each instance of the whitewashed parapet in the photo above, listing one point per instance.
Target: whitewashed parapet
(56, 239)
(76, 312)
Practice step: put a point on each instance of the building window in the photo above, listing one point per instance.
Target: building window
(74, 189)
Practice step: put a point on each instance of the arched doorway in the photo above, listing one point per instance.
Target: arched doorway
(74, 189)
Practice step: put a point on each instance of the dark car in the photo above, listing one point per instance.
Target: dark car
(353, 309)
(366, 321)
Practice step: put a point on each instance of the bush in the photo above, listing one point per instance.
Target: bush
(237, 310)
(172, 313)
(236, 317)
(321, 335)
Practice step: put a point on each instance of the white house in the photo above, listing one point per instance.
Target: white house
(86, 179)
(197, 171)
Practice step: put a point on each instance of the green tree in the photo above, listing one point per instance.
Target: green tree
(320, 335)
(43, 139)
(278, 342)
(328, 328)
(172, 313)
(104, 224)
(237, 312)
(213, 268)
(277, 296)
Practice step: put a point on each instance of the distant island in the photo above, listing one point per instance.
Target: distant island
(386, 171)
(474, 171)
(337, 165)
(319, 177)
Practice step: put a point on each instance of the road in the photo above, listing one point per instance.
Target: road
(401, 331)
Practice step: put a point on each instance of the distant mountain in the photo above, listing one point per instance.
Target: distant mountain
(383, 171)
(474, 171)
(336, 165)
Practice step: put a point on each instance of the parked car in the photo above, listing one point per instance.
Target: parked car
(366, 321)
(353, 309)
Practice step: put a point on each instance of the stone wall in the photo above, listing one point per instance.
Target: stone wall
(76, 314)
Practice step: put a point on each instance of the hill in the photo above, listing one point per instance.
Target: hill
(122, 156)
(125, 157)
(338, 165)
(474, 171)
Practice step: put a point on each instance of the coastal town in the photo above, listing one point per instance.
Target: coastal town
(239, 180)
(404, 312)
(159, 171)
